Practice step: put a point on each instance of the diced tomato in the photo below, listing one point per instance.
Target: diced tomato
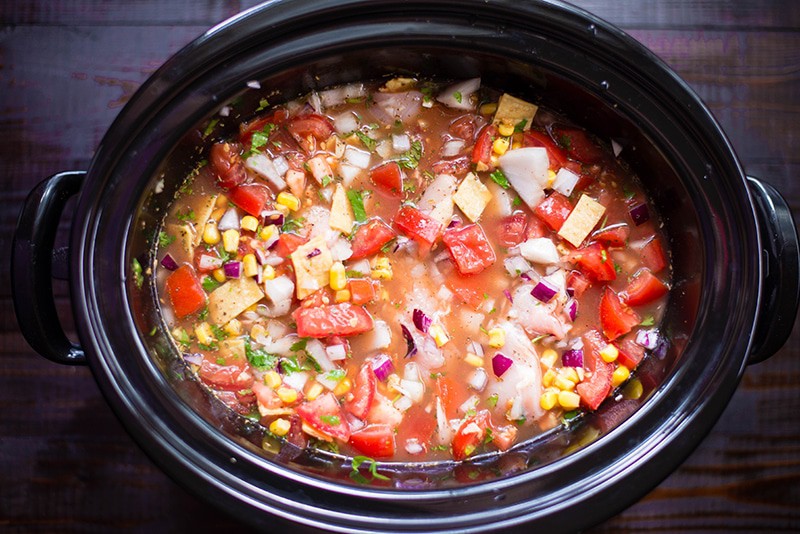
(504, 437)
(370, 238)
(653, 256)
(630, 353)
(554, 210)
(593, 260)
(469, 248)
(482, 152)
(376, 441)
(252, 198)
(361, 291)
(388, 179)
(418, 226)
(595, 388)
(311, 124)
(185, 292)
(535, 228)
(227, 166)
(342, 319)
(320, 297)
(577, 283)
(469, 289)
(578, 144)
(451, 392)
(615, 235)
(464, 127)
(616, 318)
(247, 129)
(555, 154)
(645, 287)
(325, 415)
(224, 376)
(455, 166)
(288, 243)
(513, 229)
(470, 435)
(363, 392)
(419, 424)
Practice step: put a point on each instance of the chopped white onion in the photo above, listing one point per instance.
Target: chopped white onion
(360, 266)
(539, 250)
(208, 262)
(336, 352)
(384, 148)
(401, 142)
(345, 122)
(469, 404)
(459, 95)
(413, 389)
(616, 147)
(380, 337)
(316, 349)
(475, 348)
(224, 111)
(527, 171)
(253, 84)
(281, 165)
(315, 101)
(337, 95)
(230, 220)
(478, 379)
(348, 173)
(411, 372)
(296, 380)
(263, 166)
(444, 294)
(389, 107)
(341, 249)
(357, 157)
(452, 148)
(280, 291)
(444, 432)
(516, 265)
(565, 181)
(403, 403)
(412, 445)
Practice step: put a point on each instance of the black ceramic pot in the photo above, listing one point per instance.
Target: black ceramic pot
(733, 243)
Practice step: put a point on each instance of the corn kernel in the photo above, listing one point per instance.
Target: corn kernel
(551, 177)
(222, 201)
(633, 390)
(548, 358)
(473, 359)
(569, 400)
(272, 379)
(570, 373)
(497, 337)
(217, 214)
(549, 399)
(439, 335)
(609, 353)
(489, 108)
(581, 373)
(233, 328)
(286, 395)
(219, 275)
(204, 334)
(342, 387)
(505, 129)
(288, 200)
(381, 268)
(268, 272)
(258, 330)
(563, 383)
(249, 223)
(516, 144)
(210, 233)
(280, 426)
(343, 295)
(249, 264)
(548, 378)
(314, 390)
(337, 276)
(621, 374)
(267, 232)
(230, 240)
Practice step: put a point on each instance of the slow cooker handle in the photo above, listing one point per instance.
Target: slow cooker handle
(781, 273)
(32, 268)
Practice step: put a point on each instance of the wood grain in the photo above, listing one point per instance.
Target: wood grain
(67, 67)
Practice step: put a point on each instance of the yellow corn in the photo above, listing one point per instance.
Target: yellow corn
(570, 373)
(563, 383)
(314, 390)
(233, 328)
(268, 272)
(497, 337)
(633, 390)
(439, 335)
(210, 233)
(505, 129)
(548, 378)
(222, 201)
(569, 400)
(489, 108)
(288, 200)
(381, 268)
(549, 399)
(548, 358)
(342, 387)
(621, 374)
(286, 395)
(258, 330)
(267, 232)
(337, 276)
(473, 359)
(217, 214)
(609, 353)
(280, 426)
(219, 275)
(249, 223)
(250, 265)
(343, 295)
(272, 379)
(230, 240)
(551, 177)
(204, 334)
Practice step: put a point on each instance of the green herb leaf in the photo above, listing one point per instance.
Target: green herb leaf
(164, 239)
(332, 420)
(203, 314)
(357, 202)
(218, 332)
(648, 321)
(410, 158)
(299, 345)
(335, 375)
(492, 400)
(520, 126)
(291, 224)
(354, 274)
(209, 284)
(259, 358)
(210, 128)
(516, 202)
(187, 216)
(326, 180)
(138, 275)
(368, 142)
(457, 96)
(500, 179)
(262, 104)
(357, 461)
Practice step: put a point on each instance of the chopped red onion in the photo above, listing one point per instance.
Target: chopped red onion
(455, 221)
(315, 252)
(233, 269)
(500, 364)
(168, 262)
(639, 214)
(544, 291)
(382, 366)
(572, 358)
(527, 276)
(412, 346)
(273, 217)
(208, 262)
(507, 293)
(572, 309)
(421, 321)
(193, 358)
(647, 338)
(261, 255)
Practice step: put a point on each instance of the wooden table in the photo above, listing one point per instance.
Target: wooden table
(67, 67)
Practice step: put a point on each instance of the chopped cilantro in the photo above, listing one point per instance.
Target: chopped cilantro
(357, 462)
(648, 321)
(262, 104)
(138, 276)
(210, 128)
(164, 239)
(604, 255)
(457, 96)
(500, 179)
(410, 158)
(617, 268)
(290, 224)
(291, 365)
(520, 126)
(488, 437)
(220, 360)
(153, 331)
(182, 336)
(409, 187)
(429, 175)
(210, 347)
(516, 202)
(368, 142)
(261, 138)
(224, 255)
(354, 274)
(299, 345)
(492, 400)
(209, 284)
(218, 332)
(565, 141)
(440, 448)
(326, 180)
(332, 420)
(203, 314)
(388, 246)
(357, 202)
(427, 93)
(569, 416)
(187, 216)
(538, 338)
(258, 358)
(336, 375)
